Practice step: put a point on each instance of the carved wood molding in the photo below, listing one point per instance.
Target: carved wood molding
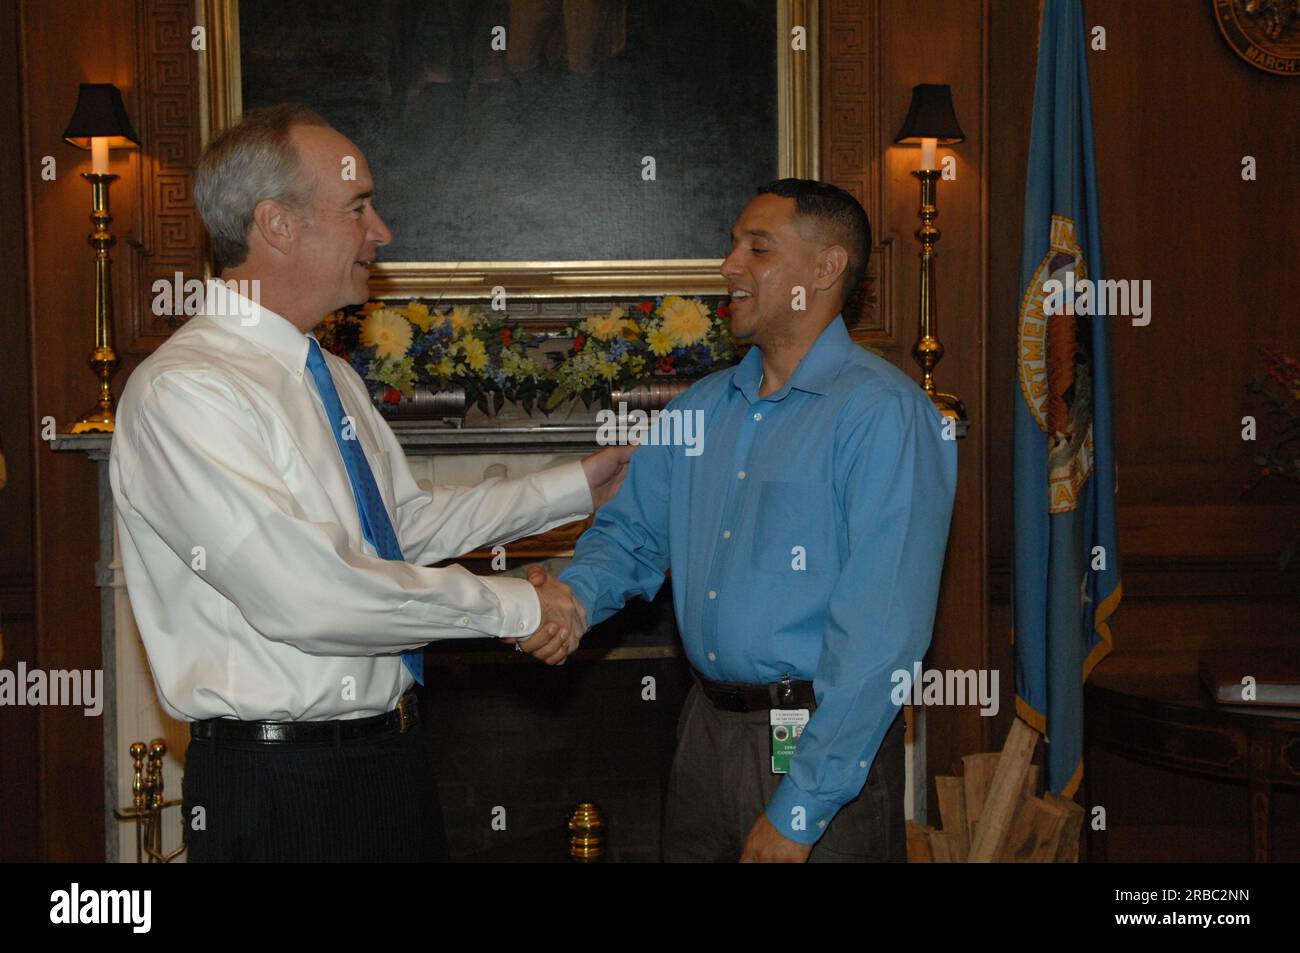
(170, 234)
(852, 146)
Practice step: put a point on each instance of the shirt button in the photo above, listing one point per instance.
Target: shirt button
(862, 764)
(741, 474)
(713, 657)
(521, 627)
(713, 594)
(726, 534)
(464, 620)
(821, 823)
(758, 416)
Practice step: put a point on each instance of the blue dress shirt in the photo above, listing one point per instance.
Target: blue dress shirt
(806, 537)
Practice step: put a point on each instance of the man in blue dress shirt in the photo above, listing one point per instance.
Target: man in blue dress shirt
(806, 542)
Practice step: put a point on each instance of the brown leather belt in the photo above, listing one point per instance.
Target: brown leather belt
(735, 696)
(404, 717)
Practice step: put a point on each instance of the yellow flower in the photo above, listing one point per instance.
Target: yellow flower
(687, 321)
(388, 332)
(445, 367)
(475, 353)
(607, 370)
(371, 306)
(660, 341)
(610, 326)
(418, 314)
(463, 317)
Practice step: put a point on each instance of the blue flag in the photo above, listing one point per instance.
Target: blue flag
(1067, 563)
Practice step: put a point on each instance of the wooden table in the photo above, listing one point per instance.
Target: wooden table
(1153, 710)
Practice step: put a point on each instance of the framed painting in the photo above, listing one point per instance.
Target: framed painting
(553, 148)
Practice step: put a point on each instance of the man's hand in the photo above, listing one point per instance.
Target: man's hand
(765, 845)
(563, 620)
(605, 470)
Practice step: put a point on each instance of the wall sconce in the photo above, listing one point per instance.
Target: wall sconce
(930, 121)
(100, 123)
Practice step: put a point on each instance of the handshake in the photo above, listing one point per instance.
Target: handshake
(563, 621)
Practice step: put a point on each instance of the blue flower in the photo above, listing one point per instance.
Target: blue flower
(360, 361)
(422, 345)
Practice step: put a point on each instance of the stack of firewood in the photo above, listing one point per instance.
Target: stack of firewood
(993, 812)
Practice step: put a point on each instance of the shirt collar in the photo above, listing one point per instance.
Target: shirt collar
(274, 334)
(815, 373)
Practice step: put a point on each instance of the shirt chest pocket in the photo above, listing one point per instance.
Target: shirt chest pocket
(794, 528)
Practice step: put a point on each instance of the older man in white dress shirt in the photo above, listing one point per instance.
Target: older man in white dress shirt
(276, 572)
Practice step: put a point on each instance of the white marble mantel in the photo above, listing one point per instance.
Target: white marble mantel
(437, 454)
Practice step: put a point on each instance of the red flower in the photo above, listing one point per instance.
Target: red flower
(645, 307)
(578, 342)
(724, 310)
(393, 396)
(506, 337)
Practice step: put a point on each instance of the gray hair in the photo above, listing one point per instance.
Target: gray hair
(252, 160)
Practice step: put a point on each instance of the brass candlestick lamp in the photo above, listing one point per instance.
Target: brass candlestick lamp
(930, 121)
(100, 123)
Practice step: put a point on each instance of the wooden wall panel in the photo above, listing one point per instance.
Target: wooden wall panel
(171, 239)
(19, 825)
(63, 45)
(875, 52)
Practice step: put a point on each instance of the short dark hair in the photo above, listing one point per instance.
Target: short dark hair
(840, 218)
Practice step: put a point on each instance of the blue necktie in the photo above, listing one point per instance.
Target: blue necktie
(375, 524)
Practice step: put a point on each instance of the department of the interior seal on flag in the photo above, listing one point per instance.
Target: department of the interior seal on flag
(1052, 362)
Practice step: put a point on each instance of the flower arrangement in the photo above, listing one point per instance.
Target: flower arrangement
(671, 335)
(1280, 389)
(396, 349)
(399, 348)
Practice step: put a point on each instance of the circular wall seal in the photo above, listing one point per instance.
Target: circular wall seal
(1264, 33)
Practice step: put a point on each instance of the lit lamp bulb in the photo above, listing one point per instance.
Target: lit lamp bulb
(928, 147)
(99, 155)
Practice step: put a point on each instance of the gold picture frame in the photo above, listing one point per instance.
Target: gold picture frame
(797, 155)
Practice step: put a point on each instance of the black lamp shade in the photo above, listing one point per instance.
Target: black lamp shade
(931, 116)
(100, 115)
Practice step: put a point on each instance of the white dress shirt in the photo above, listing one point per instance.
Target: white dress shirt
(252, 585)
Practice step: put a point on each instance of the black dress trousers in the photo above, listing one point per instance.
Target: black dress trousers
(371, 799)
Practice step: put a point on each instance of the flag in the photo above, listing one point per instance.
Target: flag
(1066, 566)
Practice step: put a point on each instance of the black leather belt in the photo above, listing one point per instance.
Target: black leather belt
(404, 717)
(735, 696)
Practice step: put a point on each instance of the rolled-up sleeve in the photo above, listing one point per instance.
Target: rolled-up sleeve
(898, 478)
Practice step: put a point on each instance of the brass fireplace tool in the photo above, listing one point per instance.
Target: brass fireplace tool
(586, 834)
(147, 803)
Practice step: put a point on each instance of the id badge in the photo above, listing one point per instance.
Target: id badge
(787, 725)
